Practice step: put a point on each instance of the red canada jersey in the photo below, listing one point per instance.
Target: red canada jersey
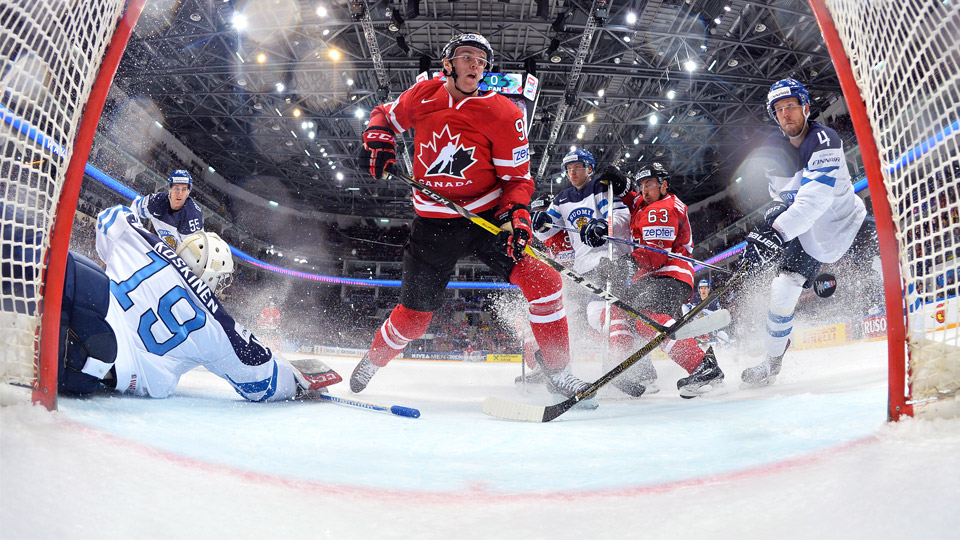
(664, 225)
(473, 151)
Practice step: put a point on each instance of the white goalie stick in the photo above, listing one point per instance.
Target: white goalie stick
(512, 410)
(708, 323)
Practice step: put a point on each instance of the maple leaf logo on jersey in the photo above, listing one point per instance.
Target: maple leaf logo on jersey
(445, 156)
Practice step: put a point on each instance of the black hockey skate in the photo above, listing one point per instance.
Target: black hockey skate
(534, 377)
(563, 384)
(313, 377)
(708, 373)
(362, 374)
(763, 374)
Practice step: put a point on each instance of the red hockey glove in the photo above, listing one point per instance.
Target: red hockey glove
(649, 260)
(519, 218)
(379, 150)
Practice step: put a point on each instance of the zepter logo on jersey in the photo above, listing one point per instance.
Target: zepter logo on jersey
(444, 155)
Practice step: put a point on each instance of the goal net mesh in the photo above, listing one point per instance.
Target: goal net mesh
(50, 53)
(905, 57)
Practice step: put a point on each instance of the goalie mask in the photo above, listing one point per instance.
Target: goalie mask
(209, 258)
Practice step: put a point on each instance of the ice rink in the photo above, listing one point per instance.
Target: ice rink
(810, 457)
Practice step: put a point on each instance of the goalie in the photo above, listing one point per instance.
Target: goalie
(154, 315)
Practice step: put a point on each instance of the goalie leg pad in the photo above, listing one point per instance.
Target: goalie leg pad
(542, 287)
(784, 294)
(88, 345)
(403, 326)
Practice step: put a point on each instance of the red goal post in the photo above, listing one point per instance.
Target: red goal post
(898, 67)
(58, 62)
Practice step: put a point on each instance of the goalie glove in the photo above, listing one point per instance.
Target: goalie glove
(612, 175)
(517, 238)
(379, 150)
(764, 246)
(593, 232)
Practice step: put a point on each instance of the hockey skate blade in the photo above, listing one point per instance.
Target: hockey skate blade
(706, 390)
(704, 325)
(511, 410)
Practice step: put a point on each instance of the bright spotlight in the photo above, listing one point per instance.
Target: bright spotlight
(321, 11)
(690, 66)
(339, 176)
(239, 21)
(631, 18)
(671, 94)
(261, 58)
(334, 55)
(296, 113)
(359, 113)
(281, 87)
(654, 119)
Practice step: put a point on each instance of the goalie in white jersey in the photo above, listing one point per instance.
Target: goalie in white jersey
(816, 219)
(154, 316)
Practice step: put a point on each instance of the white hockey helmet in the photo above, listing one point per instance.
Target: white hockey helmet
(209, 257)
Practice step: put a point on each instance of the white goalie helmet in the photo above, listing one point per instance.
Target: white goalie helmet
(209, 258)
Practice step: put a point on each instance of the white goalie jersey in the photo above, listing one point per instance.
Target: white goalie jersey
(167, 321)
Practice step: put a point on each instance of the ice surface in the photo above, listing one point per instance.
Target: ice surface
(810, 456)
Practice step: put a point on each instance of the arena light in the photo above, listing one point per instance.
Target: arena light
(601, 92)
(334, 54)
(690, 66)
(358, 113)
(339, 176)
(239, 21)
(280, 87)
(631, 18)
(297, 113)
(671, 94)
(654, 119)
(321, 11)
(274, 203)
(261, 58)
(590, 117)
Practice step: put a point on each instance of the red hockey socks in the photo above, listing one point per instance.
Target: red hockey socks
(541, 286)
(685, 352)
(403, 326)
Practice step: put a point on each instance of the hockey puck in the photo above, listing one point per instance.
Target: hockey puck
(825, 285)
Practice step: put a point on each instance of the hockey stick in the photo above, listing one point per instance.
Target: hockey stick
(648, 248)
(512, 410)
(705, 325)
(393, 409)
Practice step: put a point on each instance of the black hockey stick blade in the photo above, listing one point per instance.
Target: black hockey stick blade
(512, 410)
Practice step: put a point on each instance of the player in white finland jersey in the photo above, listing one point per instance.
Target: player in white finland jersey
(162, 320)
(816, 219)
(584, 210)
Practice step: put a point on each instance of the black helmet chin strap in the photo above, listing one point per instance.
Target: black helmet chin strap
(453, 75)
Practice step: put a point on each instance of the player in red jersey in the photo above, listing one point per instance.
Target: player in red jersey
(660, 284)
(471, 147)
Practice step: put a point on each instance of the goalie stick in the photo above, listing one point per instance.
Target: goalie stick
(713, 321)
(512, 410)
(409, 412)
(648, 248)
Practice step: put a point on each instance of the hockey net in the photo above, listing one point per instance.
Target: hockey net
(904, 60)
(50, 55)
